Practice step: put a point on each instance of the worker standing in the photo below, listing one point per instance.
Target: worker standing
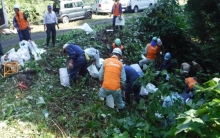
(22, 22)
(116, 11)
(17, 28)
(112, 78)
(50, 22)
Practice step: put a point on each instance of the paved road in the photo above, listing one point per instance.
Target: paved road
(40, 35)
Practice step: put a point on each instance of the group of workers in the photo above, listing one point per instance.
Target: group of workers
(117, 79)
(21, 24)
(113, 75)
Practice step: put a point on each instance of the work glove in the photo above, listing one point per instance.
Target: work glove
(120, 18)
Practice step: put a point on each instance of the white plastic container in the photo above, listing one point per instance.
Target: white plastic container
(64, 77)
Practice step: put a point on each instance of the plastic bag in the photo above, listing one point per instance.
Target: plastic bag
(23, 44)
(93, 71)
(24, 54)
(143, 91)
(110, 101)
(5, 57)
(16, 57)
(86, 28)
(120, 22)
(137, 68)
(34, 50)
(64, 77)
(151, 88)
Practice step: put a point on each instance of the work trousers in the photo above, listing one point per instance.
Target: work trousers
(26, 34)
(51, 29)
(134, 88)
(113, 22)
(79, 65)
(116, 94)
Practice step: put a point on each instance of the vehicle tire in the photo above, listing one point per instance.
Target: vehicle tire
(65, 19)
(136, 9)
(88, 15)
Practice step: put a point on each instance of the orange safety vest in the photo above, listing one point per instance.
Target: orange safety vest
(22, 23)
(152, 51)
(190, 82)
(114, 46)
(112, 73)
(116, 9)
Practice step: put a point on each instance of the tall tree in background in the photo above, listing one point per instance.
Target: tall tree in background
(204, 19)
(205, 25)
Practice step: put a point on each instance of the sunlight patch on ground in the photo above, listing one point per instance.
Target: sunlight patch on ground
(18, 128)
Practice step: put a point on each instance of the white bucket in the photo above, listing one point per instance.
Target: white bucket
(64, 77)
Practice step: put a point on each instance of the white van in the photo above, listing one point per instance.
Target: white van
(136, 5)
(102, 6)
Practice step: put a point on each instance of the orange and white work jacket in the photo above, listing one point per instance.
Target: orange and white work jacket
(190, 82)
(22, 23)
(152, 51)
(112, 74)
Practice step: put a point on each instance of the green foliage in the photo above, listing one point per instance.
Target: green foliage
(203, 26)
(58, 111)
(203, 121)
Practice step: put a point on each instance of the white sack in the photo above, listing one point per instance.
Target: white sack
(34, 50)
(16, 57)
(93, 71)
(118, 22)
(64, 77)
(24, 54)
(86, 28)
(110, 101)
(5, 57)
(143, 91)
(151, 88)
(23, 44)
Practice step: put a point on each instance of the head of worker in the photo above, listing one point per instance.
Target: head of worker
(184, 73)
(117, 52)
(49, 8)
(65, 48)
(153, 41)
(159, 42)
(16, 8)
(167, 56)
(117, 42)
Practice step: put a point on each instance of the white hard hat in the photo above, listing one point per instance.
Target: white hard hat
(64, 46)
(16, 7)
(159, 42)
(117, 51)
